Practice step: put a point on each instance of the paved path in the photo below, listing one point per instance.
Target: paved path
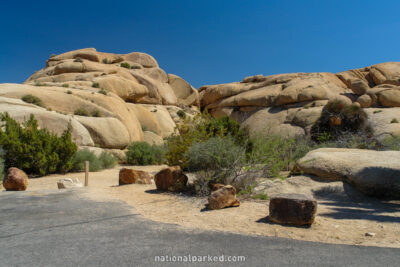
(65, 229)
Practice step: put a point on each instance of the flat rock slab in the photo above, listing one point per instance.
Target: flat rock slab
(293, 209)
(375, 173)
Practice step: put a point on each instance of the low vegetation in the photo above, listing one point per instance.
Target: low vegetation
(125, 65)
(31, 99)
(96, 163)
(95, 85)
(87, 113)
(103, 91)
(2, 153)
(35, 150)
(141, 153)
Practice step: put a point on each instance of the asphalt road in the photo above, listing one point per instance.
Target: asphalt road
(65, 229)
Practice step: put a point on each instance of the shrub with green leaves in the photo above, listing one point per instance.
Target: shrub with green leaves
(103, 91)
(82, 112)
(107, 160)
(31, 99)
(201, 128)
(95, 85)
(96, 163)
(141, 153)
(125, 65)
(34, 150)
(181, 114)
(2, 153)
(338, 118)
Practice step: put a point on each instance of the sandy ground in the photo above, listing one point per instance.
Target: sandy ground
(339, 219)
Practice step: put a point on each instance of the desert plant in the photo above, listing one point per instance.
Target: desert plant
(136, 67)
(105, 61)
(260, 196)
(34, 150)
(66, 85)
(40, 84)
(69, 92)
(2, 153)
(377, 111)
(82, 112)
(96, 113)
(33, 100)
(181, 114)
(125, 65)
(338, 118)
(394, 120)
(95, 85)
(84, 155)
(141, 153)
(78, 59)
(107, 160)
(391, 143)
(103, 91)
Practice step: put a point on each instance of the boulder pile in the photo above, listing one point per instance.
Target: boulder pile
(110, 99)
(289, 104)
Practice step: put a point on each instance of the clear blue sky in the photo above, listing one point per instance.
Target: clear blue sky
(204, 41)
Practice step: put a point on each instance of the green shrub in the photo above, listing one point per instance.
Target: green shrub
(103, 91)
(391, 143)
(69, 92)
(2, 153)
(66, 85)
(201, 128)
(181, 114)
(261, 196)
(33, 100)
(125, 65)
(85, 155)
(95, 85)
(82, 112)
(338, 118)
(141, 153)
(96, 113)
(394, 120)
(34, 150)
(105, 61)
(78, 59)
(107, 160)
(40, 84)
(377, 111)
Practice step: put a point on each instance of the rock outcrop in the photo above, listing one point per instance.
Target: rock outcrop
(289, 104)
(110, 99)
(15, 180)
(375, 173)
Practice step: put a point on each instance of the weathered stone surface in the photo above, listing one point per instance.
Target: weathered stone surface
(365, 101)
(15, 180)
(153, 139)
(131, 176)
(106, 132)
(185, 93)
(390, 98)
(293, 209)
(222, 198)
(68, 183)
(171, 179)
(375, 173)
(380, 120)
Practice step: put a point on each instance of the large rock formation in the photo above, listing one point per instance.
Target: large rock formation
(289, 104)
(375, 173)
(110, 99)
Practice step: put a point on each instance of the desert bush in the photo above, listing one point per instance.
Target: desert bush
(391, 143)
(105, 61)
(107, 160)
(2, 153)
(82, 112)
(95, 85)
(86, 155)
(78, 59)
(34, 150)
(40, 84)
(31, 99)
(394, 120)
(69, 92)
(103, 91)
(125, 65)
(141, 153)
(95, 113)
(201, 128)
(181, 114)
(338, 118)
(66, 85)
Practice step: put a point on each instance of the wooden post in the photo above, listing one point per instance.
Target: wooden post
(86, 173)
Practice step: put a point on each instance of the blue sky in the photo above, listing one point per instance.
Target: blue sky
(204, 41)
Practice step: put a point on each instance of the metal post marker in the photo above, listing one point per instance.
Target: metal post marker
(86, 173)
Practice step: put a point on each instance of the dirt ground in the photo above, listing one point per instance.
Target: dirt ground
(343, 217)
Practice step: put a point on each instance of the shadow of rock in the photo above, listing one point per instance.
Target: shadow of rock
(267, 221)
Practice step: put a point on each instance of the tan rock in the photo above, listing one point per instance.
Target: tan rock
(389, 98)
(222, 198)
(143, 59)
(165, 122)
(388, 73)
(131, 176)
(153, 139)
(147, 119)
(185, 93)
(365, 101)
(15, 180)
(106, 132)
